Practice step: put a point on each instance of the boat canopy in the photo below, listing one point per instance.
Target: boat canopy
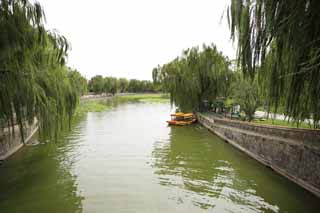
(181, 114)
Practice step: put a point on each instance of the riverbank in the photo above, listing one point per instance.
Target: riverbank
(10, 144)
(91, 97)
(293, 153)
(127, 96)
(280, 120)
(128, 154)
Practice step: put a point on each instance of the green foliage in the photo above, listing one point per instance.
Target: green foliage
(34, 81)
(194, 77)
(246, 95)
(283, 39)
(157, 77)
(112, 85)
(78, 82)
(150, 98)
(137, 86)
(97, 84)
(123, 85)
(283, 123)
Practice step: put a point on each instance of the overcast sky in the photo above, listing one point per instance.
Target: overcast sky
(127, 38)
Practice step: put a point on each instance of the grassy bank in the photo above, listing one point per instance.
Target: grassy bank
(96, 105)
(283, 123)
(91, 106)
(150, 98)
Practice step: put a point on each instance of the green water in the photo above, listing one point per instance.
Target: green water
(128, 160)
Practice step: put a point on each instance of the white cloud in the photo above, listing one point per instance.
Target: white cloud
(126, 38)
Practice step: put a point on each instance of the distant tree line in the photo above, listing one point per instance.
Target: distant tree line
(99, 84)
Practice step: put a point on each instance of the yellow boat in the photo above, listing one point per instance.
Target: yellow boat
(182, 119)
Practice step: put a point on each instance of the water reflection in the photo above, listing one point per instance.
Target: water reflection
(39, 179)
(127, 160)
(205, 172)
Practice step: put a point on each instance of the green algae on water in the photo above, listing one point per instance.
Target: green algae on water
(91, 106)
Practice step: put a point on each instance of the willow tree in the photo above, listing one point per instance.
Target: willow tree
(110, 85)
(78, 82)
(196, 76)
(123, 84)
(33, 77)
(283, 38)
(96, 84)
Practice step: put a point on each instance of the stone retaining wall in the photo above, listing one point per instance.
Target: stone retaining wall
(9, 144)
(95, 97)
(294, 153)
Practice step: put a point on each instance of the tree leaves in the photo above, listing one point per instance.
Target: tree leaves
(194, 77)
(283, 38)
(33, 79)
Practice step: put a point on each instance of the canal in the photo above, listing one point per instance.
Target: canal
(126, 159)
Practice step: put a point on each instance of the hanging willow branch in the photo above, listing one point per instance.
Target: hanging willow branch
(194, 77)
(283, 37)
(33, 79)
